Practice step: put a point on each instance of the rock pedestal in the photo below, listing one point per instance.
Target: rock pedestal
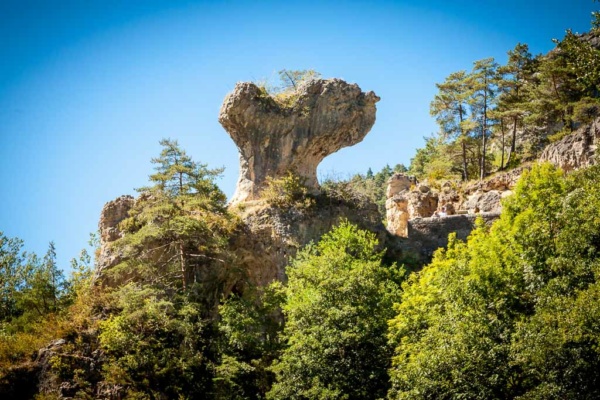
(319, 118)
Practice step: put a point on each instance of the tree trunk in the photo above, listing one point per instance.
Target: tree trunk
(483, 133)
(464, 159)
(183, 266)
(513, 140)
(464, 145)
(502, 130)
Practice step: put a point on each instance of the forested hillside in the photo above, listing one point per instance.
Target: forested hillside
(512, 312)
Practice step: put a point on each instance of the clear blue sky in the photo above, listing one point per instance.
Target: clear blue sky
(88, 88)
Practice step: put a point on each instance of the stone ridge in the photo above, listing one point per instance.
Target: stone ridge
(273, 139)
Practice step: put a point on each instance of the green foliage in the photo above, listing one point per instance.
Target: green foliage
(507, 113)
(438, 159)
(361, 189)
(159, 337)
(338, 298)
(156, 345)
(512, 312)
(249, 328)
(288, 191)
(176, 233)
(12, 274)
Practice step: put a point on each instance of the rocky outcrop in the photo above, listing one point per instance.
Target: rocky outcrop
(271, 236)
(426, 235)
(274, 139)
(398, 183)
(422, 202)
(577, 150)
(111, 215)
(397, 216)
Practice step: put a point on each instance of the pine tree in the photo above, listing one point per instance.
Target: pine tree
(511, 101)
(451, 109)
(483, 84)
(179, 226)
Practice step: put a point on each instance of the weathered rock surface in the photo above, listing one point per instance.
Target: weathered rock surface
(500, 181)
(111, 215)
(425, 235)
(326, 115)
(399, 183)
(481, 201)
(397, 216)
(577, 150)
(272, 236)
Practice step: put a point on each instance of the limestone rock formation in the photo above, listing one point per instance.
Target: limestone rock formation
(396, 210)
(273, 139)
(481, 201)
(422, 202)
(111, 215)
(399, 183)
(577, 150)
(271, 236)
(396, 205)
(425, 235)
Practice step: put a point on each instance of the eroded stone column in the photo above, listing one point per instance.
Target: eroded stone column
(275, 138)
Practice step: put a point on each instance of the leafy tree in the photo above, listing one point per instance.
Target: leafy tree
(45, 285)
(159, 339)
(338, 298)
(157, 345)
(512, 98)
(512, 313)
(437, 160)
(249, 330)
(11, 274)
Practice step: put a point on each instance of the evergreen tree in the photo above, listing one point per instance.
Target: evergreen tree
(512, 99)
(177, 230)
(450, 107)
(483, 85)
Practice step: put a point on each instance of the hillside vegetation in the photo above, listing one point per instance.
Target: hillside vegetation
(513, 312)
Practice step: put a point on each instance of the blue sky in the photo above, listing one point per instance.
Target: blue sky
(88, 88)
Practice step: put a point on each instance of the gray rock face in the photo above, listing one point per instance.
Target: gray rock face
(112, 214)
(425, 235)
(274, 139)
(575, 151)
(484, 202)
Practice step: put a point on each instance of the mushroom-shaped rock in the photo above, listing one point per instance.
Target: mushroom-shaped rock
(274, 137)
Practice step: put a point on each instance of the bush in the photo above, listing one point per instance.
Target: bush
(288, 191)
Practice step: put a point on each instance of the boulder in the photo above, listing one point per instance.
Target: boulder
(422, 204)
(274, 138)
(398, 183)
(488, 202)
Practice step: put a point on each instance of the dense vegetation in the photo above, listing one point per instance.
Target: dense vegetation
(513, 312)
(496, 116)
